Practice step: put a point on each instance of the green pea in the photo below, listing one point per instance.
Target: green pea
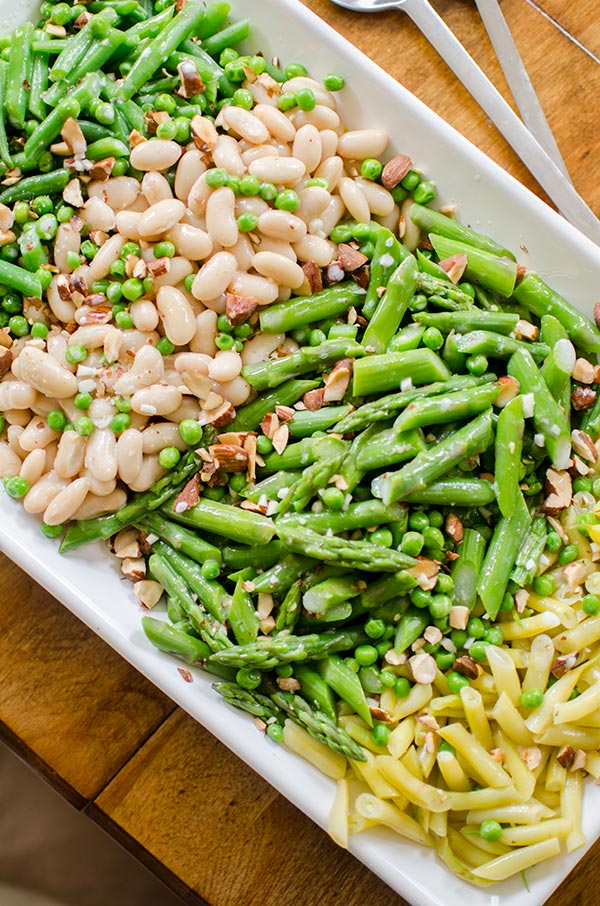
(243, 98)
(216, 177)
(490, 830)
(168, 457)
(247, 222)
(317, 337)
(477, 364)
(333, 82)
(293, 70)
(130, 248)
(305, 98)
(544, 585)
(553, 542)
(83, 400)
(366, 655)
(569, 553)
(380, 734)
(388, 678)
(89, 249)
(243, 331)
(84, 425)
(582, 484)
(117, 268)
(122, 404)
(234, 184)
(51, 531)
(165, 347)
(12, 304)
(76, 354)
(228, 56)
(164, 250)
(42, 205)
(333, 498)
(61, 14)
(591, 605)
(287, 200)
(412, 543)
(114, 292)
(508, 602)
(440, 606)
(182, 130)
(410, 181)
(341, 233)
(382, 537)
(446, 747)
(56, 420)
(39, 330)
(275, 732)
(402, 687)
(424, 193)
(478, 650)
(418, 521)
(494, 635)
(433, 537)
(476, 628)
(133, 289)
(16, 487)
(318, 181)
(190, 431)
(456, 681)
(420, 597)
(432, 338)
(18, 326)
(371, 169)
(224, 341)
(45, 277)
(248, 677)
(21, 212)
(458, 637)
(264, 445)
(374, 628)
(123, 320)
(121, 422)
(287, 101)
(444, 659)
(444, 584)
(532, 698)
(100, 286)
(210, 568)
(165, 102)
(267, 191)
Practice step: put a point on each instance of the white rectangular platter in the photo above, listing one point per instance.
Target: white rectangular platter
(88, 583)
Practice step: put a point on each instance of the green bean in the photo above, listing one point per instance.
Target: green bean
(431, 221)
(379, 373)
(437, 461)
(149, 28)
(18, 278)
(467, 492)
(467, 321)
(48, 129)
(39, 84)
(249, 417)
(303, 310)
(19, 74)
(392, 306)
(496, 274)
(32, 250)
(387, 256)
(78, 45)
(186, 23)
(228, 37)
(465, 570)
(5, 156)
(539, 298)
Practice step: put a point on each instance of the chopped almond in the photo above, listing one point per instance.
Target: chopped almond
(521, 599)
(134, 568)
(497, 755)
(239, 308)
(559, 489)
(349, 258)
(574, 573)
(510, 389)
(395, 170)
(584, 446)
(72, 193)
(191, 83)
(333, 274)
(425, 572)
(597, 314)
(6, 358)
(74, 137)
(558, 528)
(136, 138)
(229, 457)
(455, 266)
(433, 635)
(379, 714)
(337, 381)
(454, 528)
(459, 617)
(148, 591)
(288, 683)
(428, 720)
(424, 668)
(158, 267)
(280, 438)
(204, 133)
(101, 169)
(312, 278)
(583, 398)
(222, 415)
(584, 372)
(566, 757)
(269, 425)
(532, 756)
(467, 666)
(314, 399)
(563, 664)
(284, 413)
(188, 497)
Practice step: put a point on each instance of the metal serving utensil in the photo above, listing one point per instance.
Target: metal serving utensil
(535, 158)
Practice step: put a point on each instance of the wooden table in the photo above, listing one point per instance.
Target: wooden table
(113, 744)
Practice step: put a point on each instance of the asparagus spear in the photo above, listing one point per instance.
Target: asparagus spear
(501, 556)
(539, 298)
(529, 555)
(508, 449)
(452, 407)
(319, 725)
(227, 521)
(289, 609)
(251, 701)
(378, 373)
(392, 306)
(353, 554)
(269, 652)
(249, 417)
(485, 342)
(466, 321)
(174, 641)
(180, 538)
(303, 310)
(497, 274)
(431, 221)
(273, 372)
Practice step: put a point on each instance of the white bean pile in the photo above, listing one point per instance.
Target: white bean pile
(71, 476)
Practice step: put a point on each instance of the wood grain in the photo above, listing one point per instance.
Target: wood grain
(579, 19)
(215, 823)
(66, 696)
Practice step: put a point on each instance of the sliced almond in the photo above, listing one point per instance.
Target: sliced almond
(510, 389)
(250, 448)
(563, 664)
(280, 438)
(455, 266)
(521, 599)
(467, 666)
(337, 381)
(314, 399)
(134, 568)
(158, 267)
(284, 413)
(72, 193)
(204, 133)
(229, 457)
(148, 591)
(188, 497)
(191, 83)
(574, 574)
(459, 617)
(102, 169)
(313, 279)
(584, 446)
(425, 572)
(269, 425)
(559, 491)
(423, 667)
(584, 371)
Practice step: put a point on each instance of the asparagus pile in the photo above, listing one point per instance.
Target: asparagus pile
(416, 459)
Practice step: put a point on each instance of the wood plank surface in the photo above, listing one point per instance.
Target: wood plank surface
(213, 822)
(177, 797)
(67, 700)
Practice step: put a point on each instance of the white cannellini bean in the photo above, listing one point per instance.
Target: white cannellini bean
(313, 201)
(164, 434)
(307, 147)
(190, 408)
(180, 268)
(129, 455)
(245, 123)
(43, 405)
(101, 411)
(354, 199)
(98, 215)
(263, 289)
(226, 154)
(359, 144)
(160, 217)
(147, 368)
(101, 454)
(33, 467)
(194, 220)
(250, 206)
(66, 502)
(313, 248)
(94, 506)
(92, 337)
(331, 169)
(391, 220)
(132, 341)
(412, 233)
(219, 304)
(41, 371)
(19, 417)
(243, 251)
(37, 435)
(148, 475)
(331, 215)
(13, 434)
(155, 187)
(190, 241)
(67, 240)
(260, 347)
(51, 450)
(329, 140)
(39, 497)
(189, 168)
(101, 488)
(177, 315)
(203, 341)
(236, 391)
(285, 272)
(322, 96)
(119, 193)
(276, 245)
(214, 277)
(157, 399)
(276, 122)
(10, 463)
(62, 309)
(155, 154)
(70, 455)
(144, 314)
(16, 395)
(284, 171)
(256, 152)
(198, 196)
(107, 254)
(221, 222)
(225, 366)
(380, 201)
(282, 225)
(192, 361)
(320, 116)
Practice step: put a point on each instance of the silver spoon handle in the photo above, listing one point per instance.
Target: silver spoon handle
(518, 79)
(550, 178)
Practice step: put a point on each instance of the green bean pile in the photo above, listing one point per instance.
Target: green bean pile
(389, 551)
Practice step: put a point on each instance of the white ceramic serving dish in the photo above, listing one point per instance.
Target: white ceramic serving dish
(87, 581)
